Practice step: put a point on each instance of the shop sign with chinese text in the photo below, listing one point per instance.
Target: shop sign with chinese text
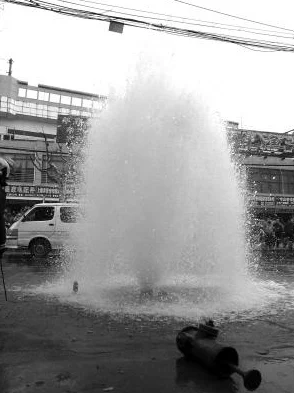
(38, 191)
(277, 201)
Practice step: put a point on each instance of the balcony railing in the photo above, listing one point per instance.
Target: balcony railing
(36, 109)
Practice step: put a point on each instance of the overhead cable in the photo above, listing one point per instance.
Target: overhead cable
(167, 17)
(134, 22)
(233, 16)
(176, 19)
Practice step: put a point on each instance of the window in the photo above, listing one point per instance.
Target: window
(33, 111)
(53, 109)
(39, 109)
(24, 168)
(69, 214)
(288, 181)
(52, 112)
(40, 213)
(97, 105)
(74, 112)
(76, 101)
(22, 92)
(3, 104)
(65, 100)
(64, 111)
(32, 94)
(54, 98)
(87, 103)
(19, 105)
(11, 106)
(11, 102)
(26, 110)
(43, 96)
(265, 180)
(45, 111)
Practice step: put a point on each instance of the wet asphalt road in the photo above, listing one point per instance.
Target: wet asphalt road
(25, 270)
(50, 347)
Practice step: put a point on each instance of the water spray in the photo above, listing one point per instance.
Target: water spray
(146, 223)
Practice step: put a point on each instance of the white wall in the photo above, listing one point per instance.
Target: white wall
(28, 125)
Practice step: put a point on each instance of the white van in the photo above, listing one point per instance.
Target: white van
(44, 227)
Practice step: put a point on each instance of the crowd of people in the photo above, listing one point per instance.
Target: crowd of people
(12, 215)
(272, 233)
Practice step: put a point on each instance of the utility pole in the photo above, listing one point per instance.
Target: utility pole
(10, 61)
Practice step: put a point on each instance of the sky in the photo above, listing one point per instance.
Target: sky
(253, 88)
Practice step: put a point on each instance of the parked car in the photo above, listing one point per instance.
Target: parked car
(43, 228)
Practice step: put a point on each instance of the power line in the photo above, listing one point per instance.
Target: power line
(233, 16)
(84, 14)
(258, 50)
(179, 20)
(267, 165)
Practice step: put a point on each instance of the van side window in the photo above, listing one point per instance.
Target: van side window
(41, 213)
(69, 214)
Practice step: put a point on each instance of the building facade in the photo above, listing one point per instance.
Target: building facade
(29, 117)
(267, 159)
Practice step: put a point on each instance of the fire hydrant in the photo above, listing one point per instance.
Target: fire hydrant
(199, 343)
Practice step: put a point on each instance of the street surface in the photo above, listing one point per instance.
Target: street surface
(49, 346)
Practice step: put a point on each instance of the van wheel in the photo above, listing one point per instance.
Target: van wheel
(40, 248)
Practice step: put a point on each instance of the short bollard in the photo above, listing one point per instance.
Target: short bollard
(75, 287)
(198, 343)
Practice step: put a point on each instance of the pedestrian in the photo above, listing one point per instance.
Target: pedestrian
(262, 237)
(270, 235)
(4, 169)
(8, 217)
(278, 229)
(289, 229)
(4, 174)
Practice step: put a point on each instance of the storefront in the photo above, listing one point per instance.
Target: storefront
(263, 206)
(21, 196)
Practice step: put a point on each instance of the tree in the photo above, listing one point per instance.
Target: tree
(61, 161)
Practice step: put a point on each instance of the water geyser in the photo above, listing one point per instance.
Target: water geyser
(162, 203)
